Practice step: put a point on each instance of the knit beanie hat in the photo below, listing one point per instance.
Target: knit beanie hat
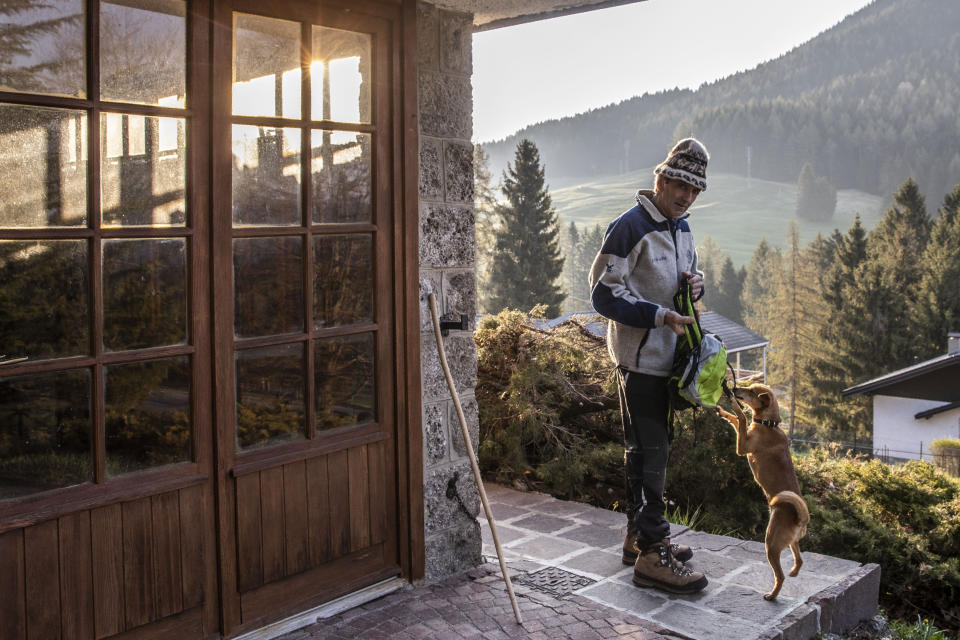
(687, 161)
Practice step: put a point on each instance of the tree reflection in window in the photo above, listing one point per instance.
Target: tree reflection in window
(44, 298)
(270, 401)
(345, 381)
(147, 414)
(44, 432)
(144, 293)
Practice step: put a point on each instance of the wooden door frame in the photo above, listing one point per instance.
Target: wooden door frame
(407, 406)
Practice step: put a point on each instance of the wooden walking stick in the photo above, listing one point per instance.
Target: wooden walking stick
(473, 458)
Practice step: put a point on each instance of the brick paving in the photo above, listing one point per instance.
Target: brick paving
(476, 605)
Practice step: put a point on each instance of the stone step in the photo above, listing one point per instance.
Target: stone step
(568, 549)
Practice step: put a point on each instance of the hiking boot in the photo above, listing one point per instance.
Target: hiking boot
(680, 552)
(656, 567)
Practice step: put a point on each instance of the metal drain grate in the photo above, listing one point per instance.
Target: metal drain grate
(554, 581)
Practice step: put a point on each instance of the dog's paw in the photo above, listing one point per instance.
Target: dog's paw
(769, 596)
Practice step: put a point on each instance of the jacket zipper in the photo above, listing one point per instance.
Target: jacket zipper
(643, 341)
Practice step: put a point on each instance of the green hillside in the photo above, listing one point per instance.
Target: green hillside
(734, 212)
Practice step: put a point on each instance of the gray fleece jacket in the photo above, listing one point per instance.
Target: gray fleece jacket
(633, 280)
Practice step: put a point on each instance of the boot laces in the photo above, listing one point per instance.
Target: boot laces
(667, 560)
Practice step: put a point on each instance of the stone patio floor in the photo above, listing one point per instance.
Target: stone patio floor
(564, 562)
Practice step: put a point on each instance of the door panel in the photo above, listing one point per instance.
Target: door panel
(106, 465)
(303, 285)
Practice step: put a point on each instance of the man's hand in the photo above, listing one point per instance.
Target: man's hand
(696, 282)
(676, 321)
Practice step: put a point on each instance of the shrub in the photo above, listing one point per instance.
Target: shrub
(548, 414)
(906, 518)
(946, 455)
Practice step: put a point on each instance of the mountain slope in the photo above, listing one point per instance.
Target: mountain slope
(869, 102)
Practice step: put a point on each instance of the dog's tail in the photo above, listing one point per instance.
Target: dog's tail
(798, 503)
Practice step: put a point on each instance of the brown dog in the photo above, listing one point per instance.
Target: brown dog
(767, 450)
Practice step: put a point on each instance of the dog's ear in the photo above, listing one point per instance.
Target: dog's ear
(764, 398)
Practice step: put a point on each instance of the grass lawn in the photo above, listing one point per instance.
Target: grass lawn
(735, 212)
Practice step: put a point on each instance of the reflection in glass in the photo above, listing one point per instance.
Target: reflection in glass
(144, 293)
(44, 432)
(142, 170)
(343, 280)
(340, 169)
(345, 381)
(266, 176)
(340, 76)
(147, 414)
(266, 67)
(43, 47)
(268, 286)
(43, 167)
(143, 45)
(44, 299)
(270, 395)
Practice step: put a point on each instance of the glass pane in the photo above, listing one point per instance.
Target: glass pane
(343, 280)
(43, 167)
(147, 414)
(43, 47)
(144, 293)
(270, 394)
(266, 67)
(44, 299)
(44, 432)
(340, 169)
(143, 45)
(346, 381)
(143, 171)
(268, 286)
(266, 176)
(340, 76)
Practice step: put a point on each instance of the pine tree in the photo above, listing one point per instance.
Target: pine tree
(829, 367)
(725, 300)
(894, 249)
(872, 330)
(816, 196)
(590, 242)
(570, 244)
(19, 64)
(793, 327)
(484, 207)
(936, 308)
(710, 259)
(527, 262)
(760, 285)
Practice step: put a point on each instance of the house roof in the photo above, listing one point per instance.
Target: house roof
(736, 337)
(492, 14)
(929, 413)
(936, 379)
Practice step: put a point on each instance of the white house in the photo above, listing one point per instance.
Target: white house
(916, 405)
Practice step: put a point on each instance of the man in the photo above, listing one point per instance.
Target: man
(646, 254)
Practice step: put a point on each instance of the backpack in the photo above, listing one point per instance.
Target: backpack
(699, 363)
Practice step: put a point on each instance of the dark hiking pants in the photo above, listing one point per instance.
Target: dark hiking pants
(644, 406)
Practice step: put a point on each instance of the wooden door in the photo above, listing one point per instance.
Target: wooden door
(304, 315)
(106, 469)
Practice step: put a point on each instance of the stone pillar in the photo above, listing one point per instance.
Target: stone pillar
(447, 254)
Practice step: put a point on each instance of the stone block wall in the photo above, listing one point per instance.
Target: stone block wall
(447, 254)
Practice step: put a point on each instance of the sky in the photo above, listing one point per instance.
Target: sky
(563, 66)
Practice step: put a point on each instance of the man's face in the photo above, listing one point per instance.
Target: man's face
(674, 197)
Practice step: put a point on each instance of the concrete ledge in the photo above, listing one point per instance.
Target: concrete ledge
(849, 601)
